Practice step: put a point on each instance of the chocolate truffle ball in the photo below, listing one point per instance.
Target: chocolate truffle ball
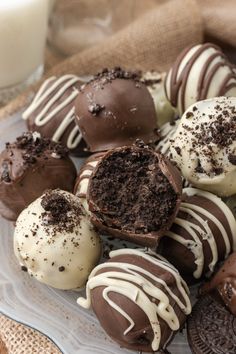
(51, 112)
(115, 109)
(203, 233)
(139, 298)
(201, 71)
(134, 194)
(55, 242)
(204, 145)
(82, 181)
(28, 167)
(155, 85)
(224, 283)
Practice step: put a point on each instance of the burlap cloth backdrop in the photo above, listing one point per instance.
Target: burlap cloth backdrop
(150, 42)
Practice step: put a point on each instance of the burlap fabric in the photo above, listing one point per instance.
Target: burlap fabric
(152, 41)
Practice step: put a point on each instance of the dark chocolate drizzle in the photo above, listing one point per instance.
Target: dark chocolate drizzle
(178, 85)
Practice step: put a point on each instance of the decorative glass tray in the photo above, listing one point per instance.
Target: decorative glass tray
(53, 312)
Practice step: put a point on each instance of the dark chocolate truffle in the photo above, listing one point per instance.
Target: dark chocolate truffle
(139, 298)
(224, 282)
(114, 109)
(134, 194)
(211, 328)
(203, 233)
(28, 167)
(51, 112)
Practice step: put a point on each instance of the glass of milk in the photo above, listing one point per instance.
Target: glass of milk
(23, 29)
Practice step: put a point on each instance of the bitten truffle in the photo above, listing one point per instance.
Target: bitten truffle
(55, 242)
(115, 109)
(224, 283)
(139, 299)
(204, 145)
(134, 194)
(201, 71)
(52, 112)
(203, 233)
(28, 167)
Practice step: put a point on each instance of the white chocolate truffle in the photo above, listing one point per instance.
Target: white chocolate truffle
(199, 72)
(204, 145)
(155, 85)
(55, 242)
(167, 132)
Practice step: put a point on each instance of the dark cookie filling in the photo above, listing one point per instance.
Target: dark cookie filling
(130, 192)
(60, 212)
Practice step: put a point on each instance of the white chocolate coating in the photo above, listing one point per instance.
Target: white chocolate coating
(202, 231)
(203, 149)
(199, 72)
(134, 284)
(167, 132)
(43, 249)
(50, 91)
(165, 112)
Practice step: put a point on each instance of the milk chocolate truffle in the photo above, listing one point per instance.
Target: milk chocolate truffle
(139, 299)
(203, 233)
(115, 109)
(134, 194)
(224, 283)
(82, 181)
(201, 71)
(52, 112)
(204, 145)
(155, 85)
(55, 242)
(28, 167)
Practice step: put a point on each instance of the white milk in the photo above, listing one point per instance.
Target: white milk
(23, 28)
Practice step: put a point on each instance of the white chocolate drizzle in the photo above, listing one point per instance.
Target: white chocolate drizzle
(132, 281)
(56, 90)
(202, 232)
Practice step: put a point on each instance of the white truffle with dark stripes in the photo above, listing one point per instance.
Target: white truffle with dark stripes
(201, 71)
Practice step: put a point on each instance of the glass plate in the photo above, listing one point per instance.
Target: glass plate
(53, 312)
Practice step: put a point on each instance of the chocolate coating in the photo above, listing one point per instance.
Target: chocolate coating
(28, 167)
(51, 113)
(134, 194)
(224, 282)
(203, 233)
(115, 109)
(211, 328)
(82, 180)
(139, 299)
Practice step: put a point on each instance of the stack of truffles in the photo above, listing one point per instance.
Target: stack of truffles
(161, 165)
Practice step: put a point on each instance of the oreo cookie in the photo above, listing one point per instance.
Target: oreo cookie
(211, 328)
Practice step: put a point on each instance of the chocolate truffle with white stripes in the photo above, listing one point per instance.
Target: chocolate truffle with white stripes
(203, 233)
(139, 298)
(51, 112)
